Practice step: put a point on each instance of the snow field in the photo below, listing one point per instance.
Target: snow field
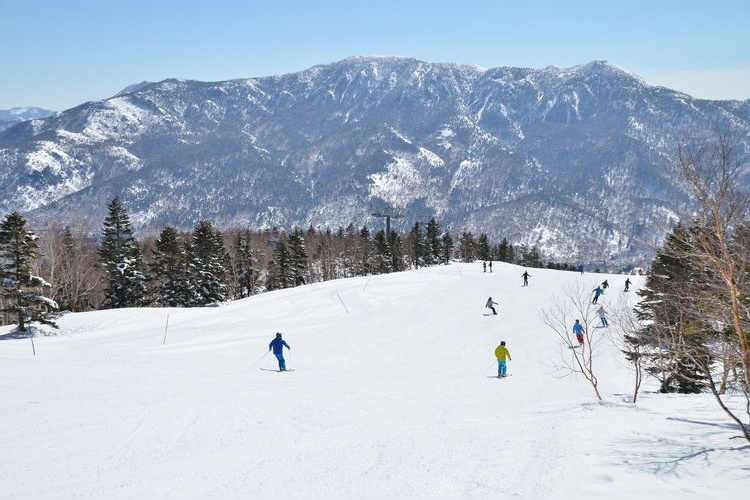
(391, 396)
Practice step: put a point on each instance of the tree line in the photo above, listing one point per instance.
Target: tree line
(75, 272)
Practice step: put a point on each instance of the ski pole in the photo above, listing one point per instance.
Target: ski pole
(488, 367)
(264, 355)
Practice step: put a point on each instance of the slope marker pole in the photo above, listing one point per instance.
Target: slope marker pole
(342, 302)
(165, 331)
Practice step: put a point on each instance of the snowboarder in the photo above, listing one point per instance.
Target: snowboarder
(627, 284)
(277, 345)
(525, 277)
(578, 330)
(490, 303)
(503, 356)
(603, 316)
(597, 291)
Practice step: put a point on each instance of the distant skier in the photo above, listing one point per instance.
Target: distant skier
(604, 285)
(490, 305)
(490, 266)
(597, 291)
(484, 267)
(580, 268)
(525, 277)
(503, 355)
(627, 284)
(578, 330)
(603, 316)
(278, 345)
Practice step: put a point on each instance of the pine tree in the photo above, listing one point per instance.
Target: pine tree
(418, 246)
(434, 250)
(672, 345)
(18, 252)
(398, 260)
(365, 252)
(168, 270)
(121, 255)
(467, 247)
(383, 260)
(483, 247)
(280, 266)
(298, 258)
(247, 265)
(503, 251)
(446, 248)
(207, 271)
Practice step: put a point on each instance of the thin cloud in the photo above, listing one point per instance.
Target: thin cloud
(710, 84)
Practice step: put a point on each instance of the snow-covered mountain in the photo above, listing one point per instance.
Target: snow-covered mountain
(9, 117)
(569, 159)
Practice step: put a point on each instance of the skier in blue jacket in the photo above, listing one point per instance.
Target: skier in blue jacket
(277, 345)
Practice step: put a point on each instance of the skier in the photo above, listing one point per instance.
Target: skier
(501, 353)
(490, 266)
(484, 267)
(627, 284)
(603, 316)
(580, 268)
(277, 345)
(597, 291)
(490, 303)
(604, 285)
(525, 277)
(578, 330)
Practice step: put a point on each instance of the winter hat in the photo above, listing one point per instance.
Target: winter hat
(502, 342)
(278, 334)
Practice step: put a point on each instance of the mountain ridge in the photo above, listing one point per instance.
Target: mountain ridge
(546, 157)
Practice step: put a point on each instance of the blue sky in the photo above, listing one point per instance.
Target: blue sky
(60, 53)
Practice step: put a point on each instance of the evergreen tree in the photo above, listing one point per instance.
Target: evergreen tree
(121, 255)
(530, 257)
(467, 247)
(365, 252)
(433, 242)
(298, 258)
(418, 246)
(208, 265)
(503, 251)
(281, 270)
(18, 252)
(168, 270)
(247, 266)
(483, 247)
(383, 260)
(396, 243)
(672, 345)
(447, 248)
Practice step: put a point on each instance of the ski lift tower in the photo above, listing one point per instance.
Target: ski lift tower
(388, 214)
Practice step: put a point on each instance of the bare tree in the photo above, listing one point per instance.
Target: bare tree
(711, 171)
(629, 328)
(576, 304)
(72, 265)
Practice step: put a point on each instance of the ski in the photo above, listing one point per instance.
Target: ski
(277, 371)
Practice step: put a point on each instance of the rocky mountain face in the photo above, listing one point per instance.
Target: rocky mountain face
(572, 160)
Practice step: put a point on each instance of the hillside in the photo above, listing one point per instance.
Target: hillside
(391, 397)
(571, 160)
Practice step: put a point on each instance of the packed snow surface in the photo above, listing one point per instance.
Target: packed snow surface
(393, 396)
